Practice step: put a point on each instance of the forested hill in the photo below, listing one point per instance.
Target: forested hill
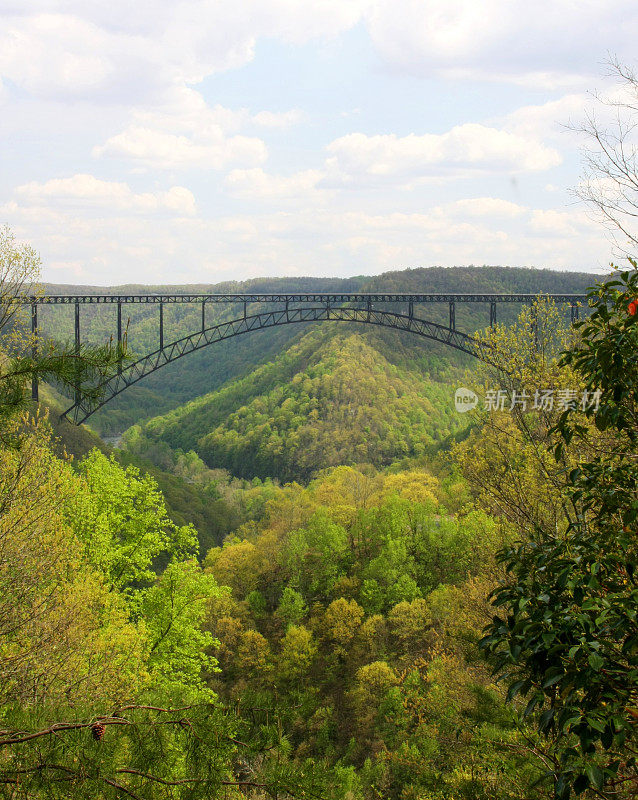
(330, 399)
(480, 279)
(419, 279)
(211, 368)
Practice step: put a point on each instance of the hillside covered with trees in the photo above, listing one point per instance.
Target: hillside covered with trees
(330, 399)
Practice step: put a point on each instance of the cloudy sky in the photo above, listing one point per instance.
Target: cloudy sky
(174, 141)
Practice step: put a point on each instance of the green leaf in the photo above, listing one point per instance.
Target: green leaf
(581, 783)
(595, 776)
(552, 680)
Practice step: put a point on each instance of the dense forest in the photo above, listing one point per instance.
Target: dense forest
(313, 579)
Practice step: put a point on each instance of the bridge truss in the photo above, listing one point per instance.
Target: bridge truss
(275, 310)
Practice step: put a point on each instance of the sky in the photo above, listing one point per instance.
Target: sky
(196, 141)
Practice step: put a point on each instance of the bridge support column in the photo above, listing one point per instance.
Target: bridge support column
(119, 336)
(452, 316)
(203, 316)
(34, 346)
(369, 309)
(161, 321)
(492, 314)
(534, 311)
(411, 309)
(244, 309)
(77, 352)
(574, 310)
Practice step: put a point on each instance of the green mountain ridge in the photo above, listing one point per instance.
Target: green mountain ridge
(330, 399)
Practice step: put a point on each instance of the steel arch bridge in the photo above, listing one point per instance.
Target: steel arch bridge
(288, 309)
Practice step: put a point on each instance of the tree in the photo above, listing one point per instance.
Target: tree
(25, 357)
(19, 274)
(292, 608)
(253, 655)
(610, 179)
(410, 625)
(372, 682)
(173, 611)
(64, 637)
(122, 519)
(340, 623)
(508, 463)
(298, 650)
(568, 637)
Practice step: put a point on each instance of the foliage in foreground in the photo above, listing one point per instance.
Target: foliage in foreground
(566, 637)
(103, 660)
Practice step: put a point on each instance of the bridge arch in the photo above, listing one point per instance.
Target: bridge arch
(80, 411)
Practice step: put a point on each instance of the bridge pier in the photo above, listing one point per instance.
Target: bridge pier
(119, 336)
(574, 310)
(161, 326)
(78, 394)
(203, 316)
(492, 314)
(34, 346)
(452, 316)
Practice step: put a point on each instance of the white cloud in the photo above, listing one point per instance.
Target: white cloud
(138, 50)
(555, 222)
(550, 43)
(493, 207)
(184, 110)
(184, 132)
(210, 149)
(548, 121)
(114, 244)
(121, 78)
(278, 119)
(255, 184)
(88, 192)
(56, 55)
(465, 148)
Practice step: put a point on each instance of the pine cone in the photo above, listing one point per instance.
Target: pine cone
(97, 731)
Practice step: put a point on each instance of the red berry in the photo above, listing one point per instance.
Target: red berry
(632, 308)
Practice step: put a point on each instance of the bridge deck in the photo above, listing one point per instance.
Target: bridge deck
(292, 297)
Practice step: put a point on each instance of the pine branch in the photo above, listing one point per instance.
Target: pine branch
(19, 738)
